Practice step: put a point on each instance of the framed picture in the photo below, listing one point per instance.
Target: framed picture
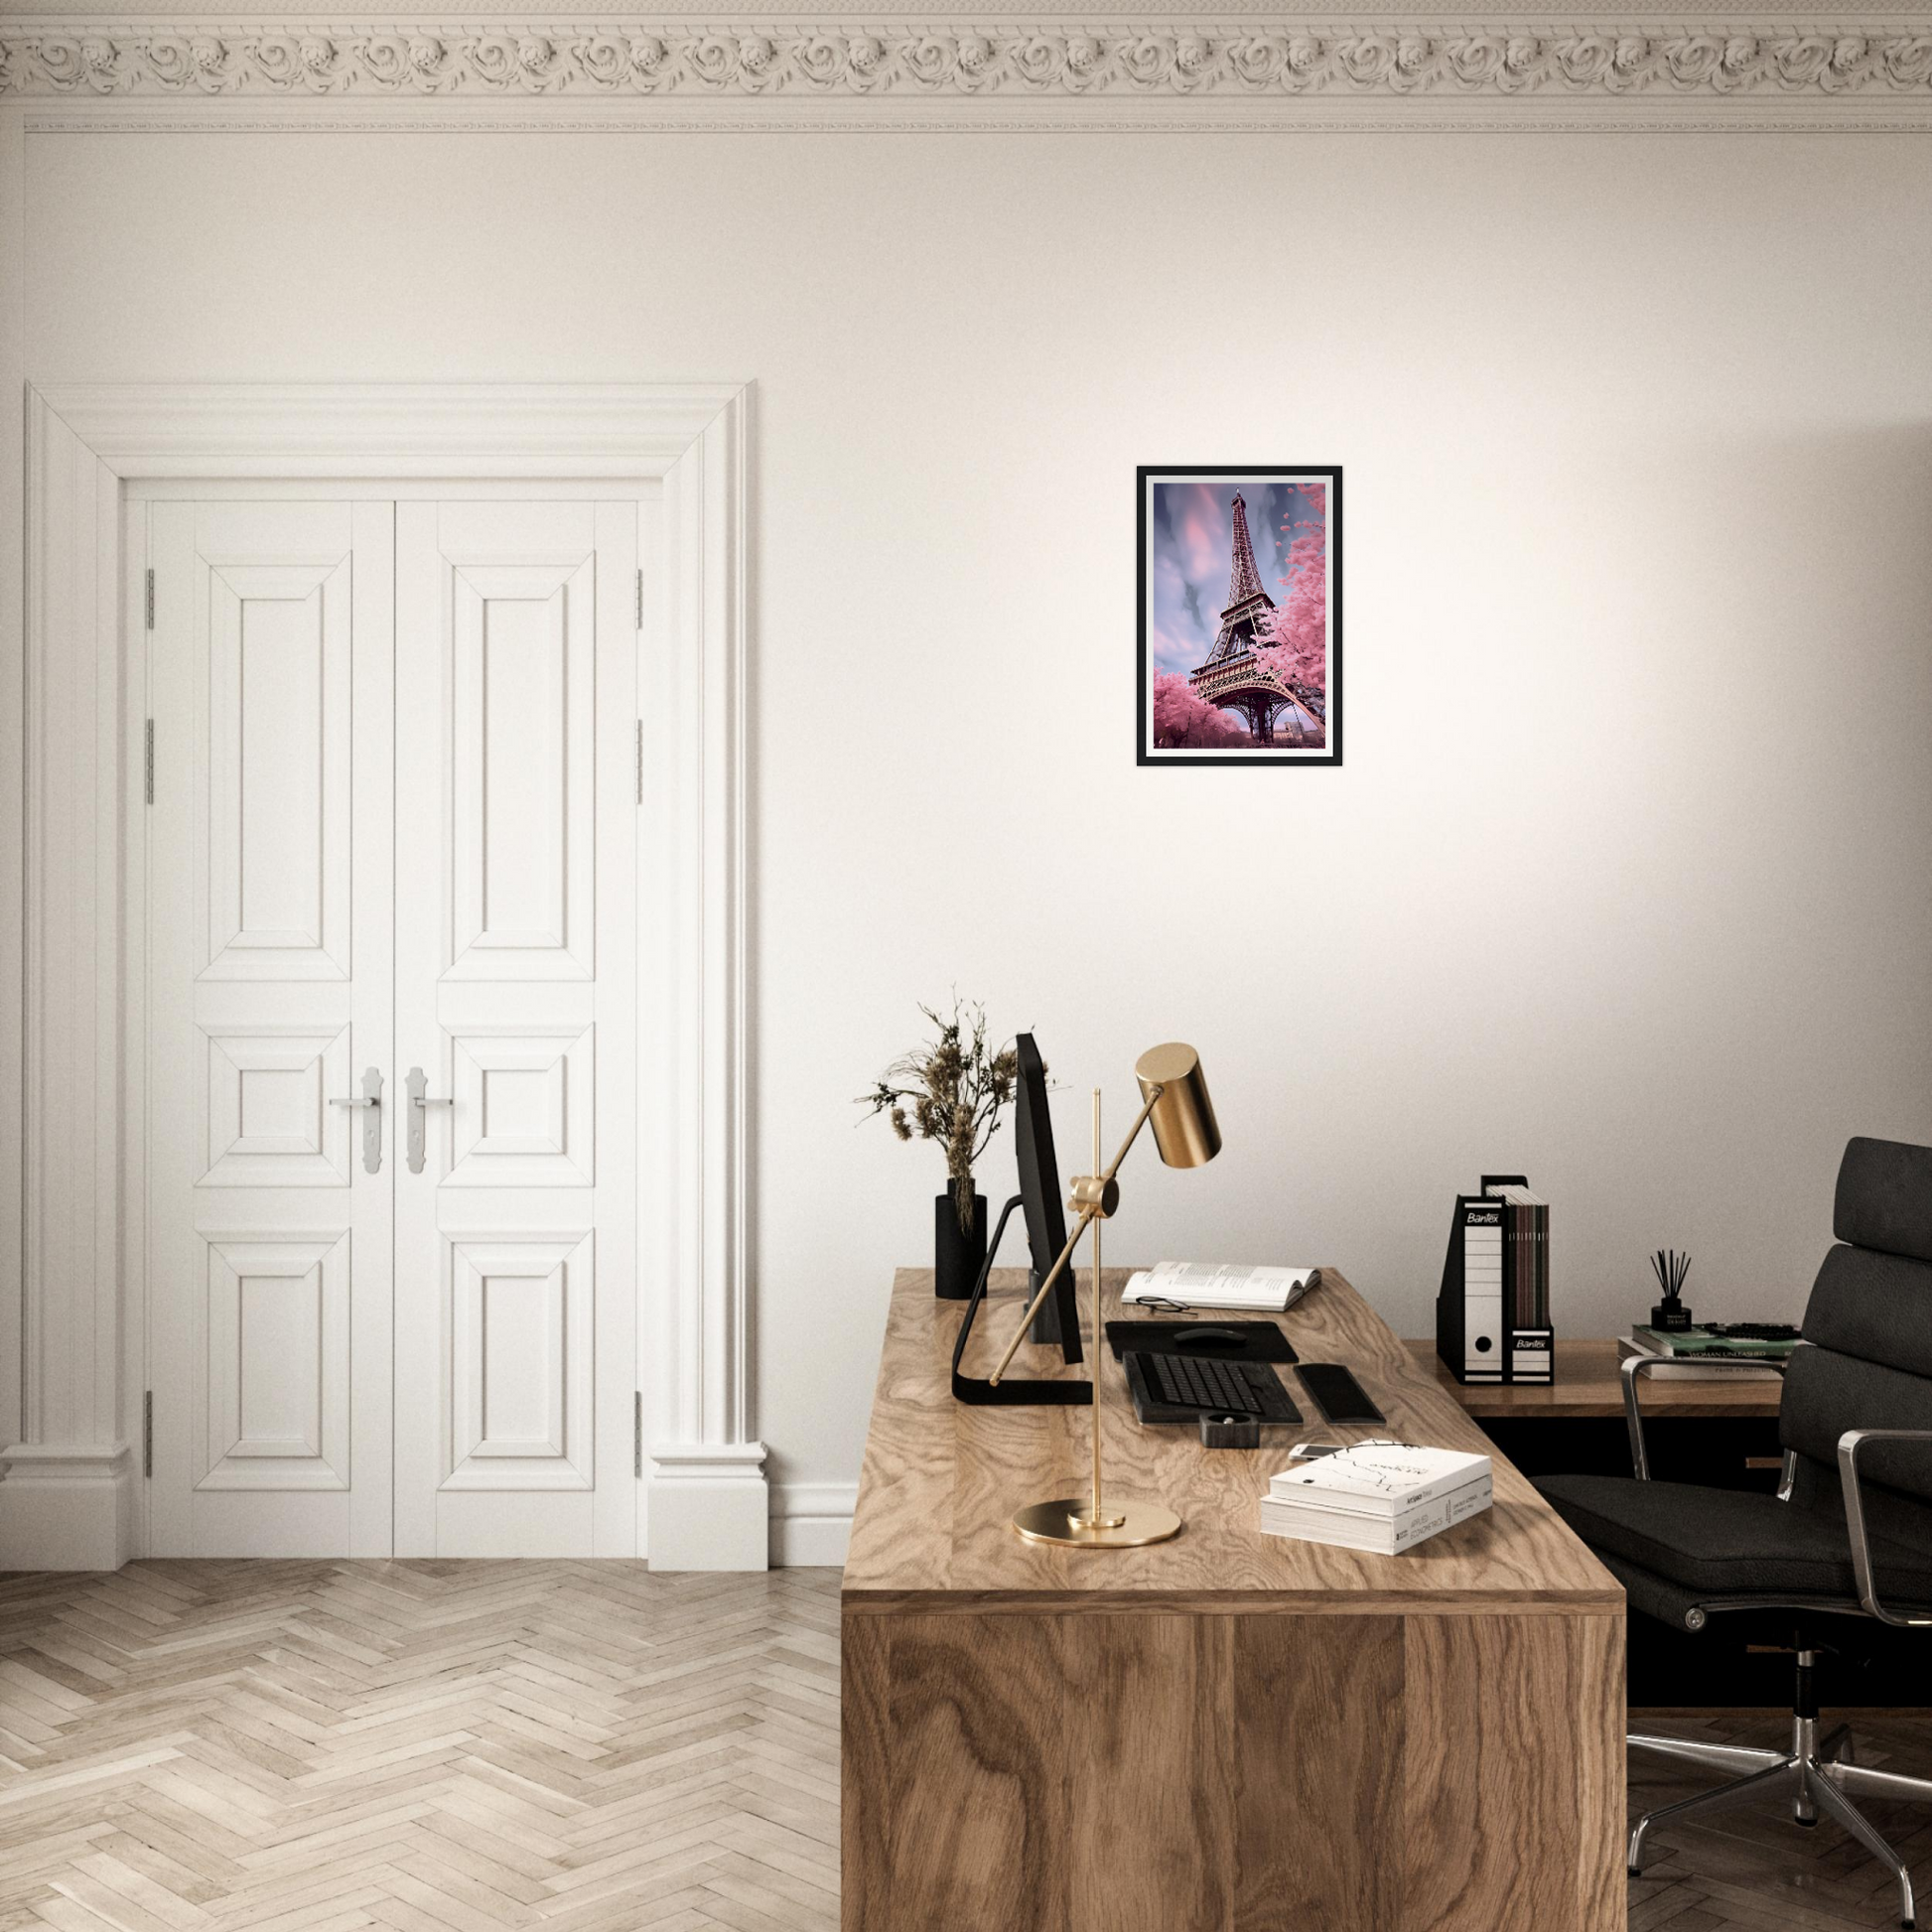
(1240, 632)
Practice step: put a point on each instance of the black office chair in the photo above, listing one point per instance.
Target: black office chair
(1848, 1536)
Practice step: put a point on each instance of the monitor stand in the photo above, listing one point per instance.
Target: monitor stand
(1046, 1324)
(1013, 1391)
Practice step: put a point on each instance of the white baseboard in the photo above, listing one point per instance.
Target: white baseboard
(67, 1506)
(709, 1507)
(811, 1523)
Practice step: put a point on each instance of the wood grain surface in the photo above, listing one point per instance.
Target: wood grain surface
(941, 1481)
(484, 1745)
(594, 1748)
(1148, 1772)
(1513, 1772)
(1319, 1720)
(1228, 1733)
(1587, 1385)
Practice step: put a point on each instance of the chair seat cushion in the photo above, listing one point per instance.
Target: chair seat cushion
(1727, 1542)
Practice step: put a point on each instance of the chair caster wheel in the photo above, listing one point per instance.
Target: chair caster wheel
(1807, 1823)
(1633, 1871)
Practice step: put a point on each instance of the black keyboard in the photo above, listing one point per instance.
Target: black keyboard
(1207, 1387)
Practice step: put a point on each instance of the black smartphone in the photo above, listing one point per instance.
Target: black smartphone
(1337, 1394)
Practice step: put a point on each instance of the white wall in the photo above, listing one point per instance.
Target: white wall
(1623, 882)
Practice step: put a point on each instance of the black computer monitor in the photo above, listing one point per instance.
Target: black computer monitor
(1040, 1194)
(1058, 1321)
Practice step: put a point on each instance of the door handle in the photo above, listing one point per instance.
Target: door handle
(371, 1098)
(417, 1081)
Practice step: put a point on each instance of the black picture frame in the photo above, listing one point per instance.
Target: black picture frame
(1275, 757)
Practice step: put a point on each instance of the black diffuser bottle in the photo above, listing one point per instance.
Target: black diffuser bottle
(1670, 1315)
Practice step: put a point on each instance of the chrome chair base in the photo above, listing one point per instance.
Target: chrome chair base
(1818, 1775)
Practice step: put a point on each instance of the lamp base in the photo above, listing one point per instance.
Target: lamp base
(1064, 1521)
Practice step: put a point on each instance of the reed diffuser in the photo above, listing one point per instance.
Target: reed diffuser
(1670, 1268)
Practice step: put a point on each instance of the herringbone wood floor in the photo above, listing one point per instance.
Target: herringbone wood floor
(1754, 1870)
(322, 1746)
(570, 1746)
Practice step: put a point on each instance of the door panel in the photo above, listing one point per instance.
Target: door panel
(522, 771)
(278, 791)
(515, 1243)
(270, 992)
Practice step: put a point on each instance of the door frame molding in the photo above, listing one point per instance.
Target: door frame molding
(71, 1397)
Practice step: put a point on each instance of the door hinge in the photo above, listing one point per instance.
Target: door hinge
(150, 600)
(641, 596)
(641, 760)
(637, 1434)
(147, 1433)
(148, 762)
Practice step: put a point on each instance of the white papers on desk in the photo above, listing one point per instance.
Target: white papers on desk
(1208, 1284)
(1385, 1498)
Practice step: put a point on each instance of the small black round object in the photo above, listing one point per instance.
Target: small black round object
(1207, 1335)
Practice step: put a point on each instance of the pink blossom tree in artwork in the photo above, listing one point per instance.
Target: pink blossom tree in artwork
(1299, 625)
(1182, 718)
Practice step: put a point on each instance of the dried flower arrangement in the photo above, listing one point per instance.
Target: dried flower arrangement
(950, 1091)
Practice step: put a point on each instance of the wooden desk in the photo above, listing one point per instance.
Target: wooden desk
(1587, 1385)
(1228, 1733)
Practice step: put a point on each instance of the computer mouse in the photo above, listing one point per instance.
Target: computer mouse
(1206, 1336)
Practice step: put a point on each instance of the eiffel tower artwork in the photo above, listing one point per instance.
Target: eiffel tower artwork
(1233, 677)
(1252, 676)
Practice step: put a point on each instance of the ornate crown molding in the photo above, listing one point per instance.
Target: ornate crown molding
(1181, 60)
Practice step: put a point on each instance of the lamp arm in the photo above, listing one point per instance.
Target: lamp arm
(1133, 1133)
(1033, 1307)
(1087, 1216)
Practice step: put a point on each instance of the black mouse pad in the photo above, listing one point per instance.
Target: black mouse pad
(1218, 1341)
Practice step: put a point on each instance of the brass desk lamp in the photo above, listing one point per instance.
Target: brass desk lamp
(1175, 1099)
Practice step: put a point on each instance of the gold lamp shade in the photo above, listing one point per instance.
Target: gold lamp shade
(1182, 1118)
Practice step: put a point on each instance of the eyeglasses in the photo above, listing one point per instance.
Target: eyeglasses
(1162, 1305)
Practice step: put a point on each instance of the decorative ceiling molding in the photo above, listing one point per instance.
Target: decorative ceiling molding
(1679, 74)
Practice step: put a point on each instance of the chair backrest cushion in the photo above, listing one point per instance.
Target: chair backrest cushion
(1884, 1197)
(1869, 1324)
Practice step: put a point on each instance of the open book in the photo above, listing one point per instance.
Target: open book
(1208, 1284)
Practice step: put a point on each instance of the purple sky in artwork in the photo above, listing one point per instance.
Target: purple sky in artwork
(1190, 547)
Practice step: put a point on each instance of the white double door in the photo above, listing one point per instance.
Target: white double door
(390, 859)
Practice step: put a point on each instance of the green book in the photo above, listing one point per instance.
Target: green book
(1701, 1342)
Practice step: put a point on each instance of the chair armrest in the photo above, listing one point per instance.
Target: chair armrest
(1636, 1365)
(1848, 1446)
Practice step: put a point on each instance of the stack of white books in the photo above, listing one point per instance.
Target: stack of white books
(1385, 1498)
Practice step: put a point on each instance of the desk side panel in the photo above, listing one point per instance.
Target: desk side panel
(1151, 1781)
(1152, 1772)
(865, 1770)
(1317, 1746)
(956, 1776)
(1513, 1773)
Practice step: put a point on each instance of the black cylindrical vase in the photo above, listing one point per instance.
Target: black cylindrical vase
(957, 1258)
